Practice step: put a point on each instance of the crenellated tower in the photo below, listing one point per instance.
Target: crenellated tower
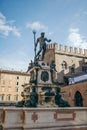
(68, 60)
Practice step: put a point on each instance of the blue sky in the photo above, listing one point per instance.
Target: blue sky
(63, 21)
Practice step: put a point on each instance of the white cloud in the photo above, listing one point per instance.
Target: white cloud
(36, 26)
(76, 39)
(6, 27)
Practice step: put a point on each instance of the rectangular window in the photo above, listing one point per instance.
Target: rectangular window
(2, 76)
(3, 89)
(3, 82)
(84, 68)
(16, 89)
(17, 77)
(9, 89)
(17, 83)
(24, 78)
(16, 98)
(1, 97)
(10, 77)
(10, 82)
(8, 97)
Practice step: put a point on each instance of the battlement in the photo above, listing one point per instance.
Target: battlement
(52, 46)
(67, 49)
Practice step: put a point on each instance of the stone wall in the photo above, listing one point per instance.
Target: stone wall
(43, 118)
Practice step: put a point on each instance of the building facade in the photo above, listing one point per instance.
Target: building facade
(11, 85)
(69, 62)
(75, 94)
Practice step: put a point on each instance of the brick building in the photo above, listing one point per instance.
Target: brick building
(75, 94)
(69, 62)
(11, 85)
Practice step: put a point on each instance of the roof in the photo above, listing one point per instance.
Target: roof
(14, 72)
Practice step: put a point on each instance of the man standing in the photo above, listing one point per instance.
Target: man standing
(42, 41)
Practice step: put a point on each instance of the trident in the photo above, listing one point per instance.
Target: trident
(34, 32)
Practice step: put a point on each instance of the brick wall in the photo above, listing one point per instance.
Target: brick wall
(68, 93)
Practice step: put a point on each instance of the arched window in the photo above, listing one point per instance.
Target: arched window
(72, 70)
(78, 99)
(64, 65)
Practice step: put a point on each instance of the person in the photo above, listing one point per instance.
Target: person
(42, 41)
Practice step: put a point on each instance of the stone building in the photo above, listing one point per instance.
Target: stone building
(69, 62)
(11, 85)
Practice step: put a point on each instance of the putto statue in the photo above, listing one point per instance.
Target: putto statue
(42, 41)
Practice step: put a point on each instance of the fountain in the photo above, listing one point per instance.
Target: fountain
(42, 106)
(42, 91)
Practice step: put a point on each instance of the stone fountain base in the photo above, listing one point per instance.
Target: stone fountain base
(43, 118)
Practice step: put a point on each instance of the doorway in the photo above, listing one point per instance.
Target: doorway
(78, 99)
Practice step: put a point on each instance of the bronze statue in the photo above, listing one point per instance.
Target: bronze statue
(42, 41)
(59, 100)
